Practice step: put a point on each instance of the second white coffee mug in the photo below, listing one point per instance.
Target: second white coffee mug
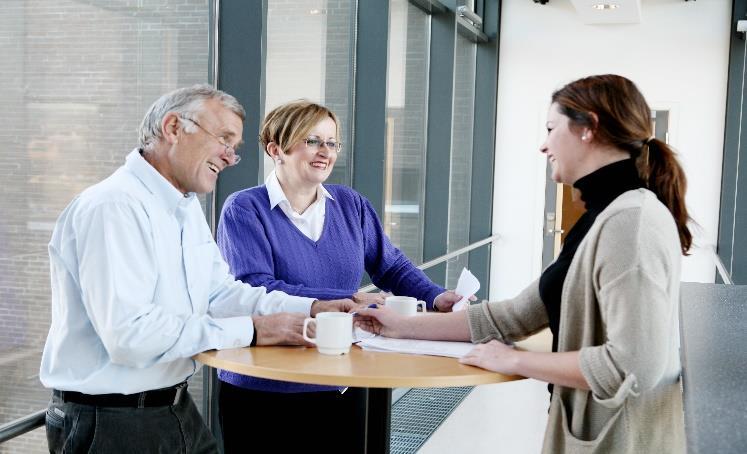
(404, 305)
(334, 332)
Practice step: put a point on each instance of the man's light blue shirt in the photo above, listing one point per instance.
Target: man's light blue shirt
(139, 286)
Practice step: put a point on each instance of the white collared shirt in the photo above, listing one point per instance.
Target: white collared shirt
(139, 286)
(311, 222)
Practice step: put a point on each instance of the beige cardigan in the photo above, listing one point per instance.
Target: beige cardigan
(619, 309)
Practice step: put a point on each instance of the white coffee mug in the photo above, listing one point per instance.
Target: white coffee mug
(334, 332)
(404, 305)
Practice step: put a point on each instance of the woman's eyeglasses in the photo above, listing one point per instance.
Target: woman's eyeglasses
(316, 144)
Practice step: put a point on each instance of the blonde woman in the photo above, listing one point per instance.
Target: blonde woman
(307, 238)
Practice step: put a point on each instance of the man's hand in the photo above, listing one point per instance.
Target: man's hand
(283, 328)
(345, 305)
(445, 301)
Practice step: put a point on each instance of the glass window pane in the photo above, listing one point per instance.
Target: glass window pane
(406, 109)
(77, 78)
(309, 55)
(461, 156)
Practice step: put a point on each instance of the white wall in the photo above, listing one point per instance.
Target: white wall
(677, 55)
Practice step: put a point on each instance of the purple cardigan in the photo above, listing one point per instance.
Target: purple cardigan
(264, 248)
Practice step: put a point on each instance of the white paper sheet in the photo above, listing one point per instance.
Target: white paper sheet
(414, 346)
(467, 285)
(360, 334)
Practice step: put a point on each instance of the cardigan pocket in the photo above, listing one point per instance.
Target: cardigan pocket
(611, 437)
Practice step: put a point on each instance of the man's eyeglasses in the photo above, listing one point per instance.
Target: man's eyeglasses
(230, 151)
(316, 144)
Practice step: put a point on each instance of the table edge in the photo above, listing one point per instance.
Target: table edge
(481, 377)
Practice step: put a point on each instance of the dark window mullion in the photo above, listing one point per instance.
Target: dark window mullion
(438, 154)
(369, 124)
(731, 241)
(483, 150)
(241, 63)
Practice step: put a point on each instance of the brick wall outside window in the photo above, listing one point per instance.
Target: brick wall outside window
(76, 77)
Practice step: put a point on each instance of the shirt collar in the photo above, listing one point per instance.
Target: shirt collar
(276, 194)
(159, 186)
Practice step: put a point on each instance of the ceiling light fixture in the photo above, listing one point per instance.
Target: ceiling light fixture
(603, 6)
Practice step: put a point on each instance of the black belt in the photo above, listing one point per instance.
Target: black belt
(156, 398)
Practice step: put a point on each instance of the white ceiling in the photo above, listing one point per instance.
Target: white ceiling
(627, 11)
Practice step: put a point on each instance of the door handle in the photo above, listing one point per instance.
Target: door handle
(550, 225)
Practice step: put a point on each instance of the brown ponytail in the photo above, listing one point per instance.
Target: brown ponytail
(614, 108)
(659, 168)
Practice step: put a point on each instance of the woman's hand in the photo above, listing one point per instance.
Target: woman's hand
(559, 368)
(344, 305)
(382, 320)
(364, 299)
(445, 302)
(495, 356)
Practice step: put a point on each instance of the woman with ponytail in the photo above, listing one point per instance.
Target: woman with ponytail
(610, 298)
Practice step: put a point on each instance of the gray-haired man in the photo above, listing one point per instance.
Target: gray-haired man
(139, 286)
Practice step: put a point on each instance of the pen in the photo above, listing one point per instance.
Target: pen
(370, 306)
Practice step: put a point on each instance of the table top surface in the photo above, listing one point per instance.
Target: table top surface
(360, 368)
(713, 322)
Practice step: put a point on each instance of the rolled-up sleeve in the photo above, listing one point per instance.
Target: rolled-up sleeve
(634, 356)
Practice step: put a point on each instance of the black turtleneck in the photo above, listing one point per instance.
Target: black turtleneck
(598, 189)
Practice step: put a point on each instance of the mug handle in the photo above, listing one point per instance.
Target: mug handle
(422, 306)
(305, 325)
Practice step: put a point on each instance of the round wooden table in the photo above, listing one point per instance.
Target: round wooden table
(360, 368)
(377, 371)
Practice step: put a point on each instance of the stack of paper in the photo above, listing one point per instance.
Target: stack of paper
(359, 334)
(419, 347)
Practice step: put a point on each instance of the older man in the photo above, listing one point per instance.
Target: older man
(139, 286)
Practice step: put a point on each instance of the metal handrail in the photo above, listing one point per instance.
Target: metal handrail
(725, 276)
(445, 257)
(22, 425)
